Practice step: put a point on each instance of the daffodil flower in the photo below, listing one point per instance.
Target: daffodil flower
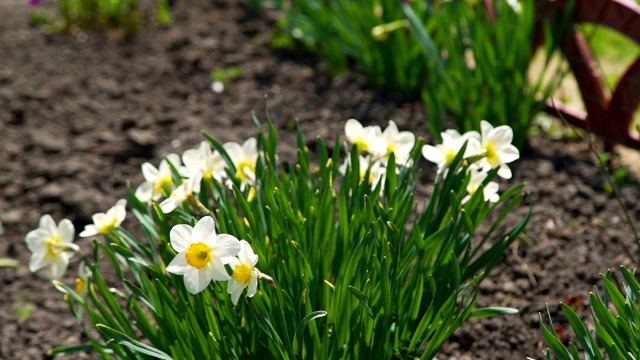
(205, 160)
(489, 191)
(400, 143)
(443, 154)
(376, 170)
(158, 181)
(245, 274)
(201, 254)
(367, 139)
(106, 223)
(244, 159)
(184, 192)
(498, 151)
(83, 278)
(51, 245)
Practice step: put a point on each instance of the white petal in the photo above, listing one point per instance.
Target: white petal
(149, 172)
(66, 230)
(192, 158)
(196, 280)
(174, 159)
(170, 204)
(485, 128)
(509, 154)
(246, 254)
(472, 135)
(47, 223)
(226, 246)
(89, 230)
(449, 138)
(501, 136)
(204, 231)
(253, 286)
(392, 129)
(405, 139)
(59, 265)
(38, 261)
(120, 211)
(250, 147)
(491, 191)
(216, 270)
(433, 154)
(194, 182)
(234, 150)
(179, 264)
(504, 172)
(235, 289)
(473, 148)
(352, 129)
(180, 236)
(144, 192)
(233, 262)
(100, 219)
(36, 240)
(452, 134)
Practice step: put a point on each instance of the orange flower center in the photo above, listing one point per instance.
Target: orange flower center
(198, 255)
(242, 273)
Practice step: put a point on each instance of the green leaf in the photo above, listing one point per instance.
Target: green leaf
(554, 343)
(493, 311)
(5, 263)
(305, 322)
(583, 334)
(135, 345)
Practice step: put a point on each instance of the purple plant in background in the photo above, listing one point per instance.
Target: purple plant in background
(35, 2)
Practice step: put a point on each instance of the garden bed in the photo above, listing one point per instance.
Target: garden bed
(80, 114)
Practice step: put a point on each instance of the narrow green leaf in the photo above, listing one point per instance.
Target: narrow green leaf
(135, 345)
(493, 311)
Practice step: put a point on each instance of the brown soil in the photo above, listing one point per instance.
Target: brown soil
(79, 115)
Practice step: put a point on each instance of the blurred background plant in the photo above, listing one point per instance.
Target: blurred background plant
(125, 16)
(609, 331)
(485, 56)
(465, 64)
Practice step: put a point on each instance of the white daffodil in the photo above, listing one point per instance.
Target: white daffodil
(367, 139)
(106, 223)
(400, 143)
(184, 192)
(443, 154)
(245, 275)
(205, 160)
(158, 182)
(490, 191)
(83, 278)
(201, 254)
(377, 171)
(498, 151)
(51, 245)
(244, 159)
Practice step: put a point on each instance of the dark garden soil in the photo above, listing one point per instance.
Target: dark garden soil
(79, 114)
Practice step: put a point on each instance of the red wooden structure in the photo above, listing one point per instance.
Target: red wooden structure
(610, 118)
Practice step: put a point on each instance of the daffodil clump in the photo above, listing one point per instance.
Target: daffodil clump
(241, 257)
